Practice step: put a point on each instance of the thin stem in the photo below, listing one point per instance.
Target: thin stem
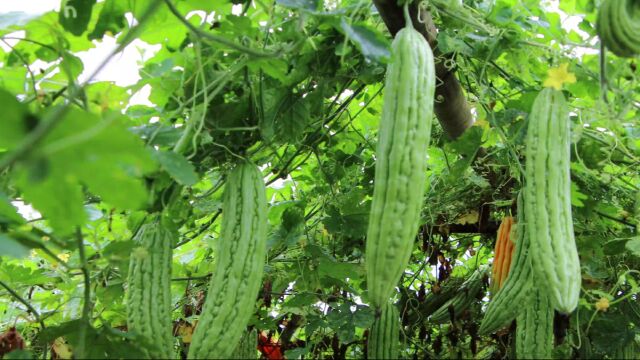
(31, 309)
(603, 74)
(25, 303)
(26, 64)
(86, 307)
(202, 229)
(215, 38)
(189, 278)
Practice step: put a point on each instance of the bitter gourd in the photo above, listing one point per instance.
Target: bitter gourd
(400, 173)
(247, 348)
(149, 303)
(618, 26)
(507, 302)
(240, 256)
(534, 327)
(554, 255)
(384, 334)
(462, 300)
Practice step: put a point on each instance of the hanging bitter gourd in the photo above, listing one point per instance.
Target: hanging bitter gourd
(628, 352)
(149, 287)
(534, 327)
(247, 348)
(618, 26)
(400, 174)
(507, 302)
(554, 255)
(435, 300)
(240, 256)
(384, 335)
(465, 296)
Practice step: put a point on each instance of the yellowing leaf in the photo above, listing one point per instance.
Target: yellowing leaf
(62, 349)
(469, 218)
(556, 77)
(481, 123)
(185, 331)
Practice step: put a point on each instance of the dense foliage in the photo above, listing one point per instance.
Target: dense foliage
(296, 86)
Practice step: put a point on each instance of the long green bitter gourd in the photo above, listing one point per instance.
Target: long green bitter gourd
(628, 352)
(240, 258)
(401, 164)
(618, 26)
(247, 348)
(554, 256)
(465, 296)
(149, 303)
(384, 336)
(507, 302)
(534, 327)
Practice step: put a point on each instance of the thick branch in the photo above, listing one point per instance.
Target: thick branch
(451, 107)
(489, 228)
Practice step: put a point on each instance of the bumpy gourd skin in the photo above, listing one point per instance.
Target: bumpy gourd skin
(401, 163)
(465, 296)
(619, 26)
(240, 260)
(384, 334)
(554, 256)
(149, 303)
(534, 328)
(507, 302)
(247, 347)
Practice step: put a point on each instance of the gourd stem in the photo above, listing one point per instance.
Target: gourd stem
(407, 17)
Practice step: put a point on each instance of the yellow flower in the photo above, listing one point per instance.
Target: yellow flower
(558, 76)
(62, 258)
(602, 304)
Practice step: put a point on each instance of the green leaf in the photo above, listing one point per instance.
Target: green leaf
(12, 79)
(8, 213)
(296, 353)
(105, 343)
(352, 225)
(74, 15)
(72, 66)
(371, 43)
(85, 151)
(311, 5)
(20, 274)
(339, 270)
(111, 19)
(468, 143)
(287, 119)
(300, 300)
(613, 332)
(20, 354)
(16, 121)
(577, 196)
(178, 167)
(633, 245)
(613, 246)
(11, 247)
